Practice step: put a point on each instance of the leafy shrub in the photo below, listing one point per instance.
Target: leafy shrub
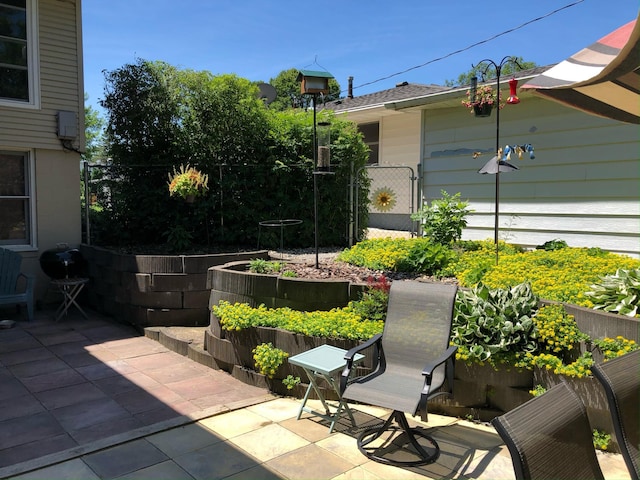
(378, 253)
(494, 326)
(553, 245)
(619, 293)
(476, 259)
(444, 219)
(601, 440)
(427, 258)
(259, 265)
(579, 368)
(374, 301)
(537, 390)
(290, 382)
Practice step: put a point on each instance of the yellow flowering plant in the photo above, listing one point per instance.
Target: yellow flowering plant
(557, 331)
(268, 358)
(187, 182)
(615, 347)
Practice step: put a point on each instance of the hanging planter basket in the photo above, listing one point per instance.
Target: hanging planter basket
(483, 110)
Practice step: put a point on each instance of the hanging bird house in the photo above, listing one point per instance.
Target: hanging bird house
(314, 82)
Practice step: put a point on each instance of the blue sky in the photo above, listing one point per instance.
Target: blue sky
(370, 40)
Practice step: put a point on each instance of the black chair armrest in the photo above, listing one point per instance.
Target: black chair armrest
(448, 356)
(349, 356)
(430, 367)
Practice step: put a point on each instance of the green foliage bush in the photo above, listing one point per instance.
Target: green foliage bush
(259, 162)
(268, 358)
(259, 265)
(444, 219)
(373, 302)
(615, 347)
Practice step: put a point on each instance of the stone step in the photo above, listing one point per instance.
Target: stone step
(187, 341)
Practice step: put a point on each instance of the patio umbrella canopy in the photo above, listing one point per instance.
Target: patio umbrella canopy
(602, 79)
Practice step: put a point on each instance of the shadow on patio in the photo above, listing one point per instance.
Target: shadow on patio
(92, 399)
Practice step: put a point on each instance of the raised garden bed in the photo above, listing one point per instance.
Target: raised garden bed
(234, 282)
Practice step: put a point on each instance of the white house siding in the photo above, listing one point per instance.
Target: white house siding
(57, 175)
(583, 186)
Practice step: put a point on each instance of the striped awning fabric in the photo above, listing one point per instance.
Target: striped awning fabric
(602, 79)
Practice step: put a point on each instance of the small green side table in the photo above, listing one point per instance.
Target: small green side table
(324, 362)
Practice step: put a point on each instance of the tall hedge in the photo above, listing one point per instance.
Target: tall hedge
(259, 162)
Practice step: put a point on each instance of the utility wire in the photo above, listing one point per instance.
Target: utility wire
(537, 19)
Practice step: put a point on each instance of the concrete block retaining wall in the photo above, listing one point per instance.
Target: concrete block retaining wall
(154, 290)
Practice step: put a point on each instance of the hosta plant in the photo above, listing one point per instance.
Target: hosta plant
(618, 293)
(494, 325)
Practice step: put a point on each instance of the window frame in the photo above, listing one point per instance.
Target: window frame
(33, 62)
(373, 143)
(30, 185)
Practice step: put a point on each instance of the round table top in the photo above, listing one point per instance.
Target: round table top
(280, 223)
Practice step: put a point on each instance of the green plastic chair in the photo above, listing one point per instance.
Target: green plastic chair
(10, 275)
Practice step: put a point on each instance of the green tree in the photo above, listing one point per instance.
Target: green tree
(258, 161)
(490, 72)
(288, 91)
(93, 130)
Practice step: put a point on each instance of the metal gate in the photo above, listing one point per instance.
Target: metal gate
(392, 200)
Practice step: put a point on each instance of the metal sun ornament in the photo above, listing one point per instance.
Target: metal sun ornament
(384, 199)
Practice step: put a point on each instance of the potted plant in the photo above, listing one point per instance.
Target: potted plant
(483, 102)
(188, 183)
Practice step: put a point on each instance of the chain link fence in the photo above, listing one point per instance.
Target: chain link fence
(392, 200)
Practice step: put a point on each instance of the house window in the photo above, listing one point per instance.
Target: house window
(15, 199)
(17, 52)
(371, 133)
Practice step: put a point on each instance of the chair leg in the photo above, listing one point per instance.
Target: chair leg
(395, 432)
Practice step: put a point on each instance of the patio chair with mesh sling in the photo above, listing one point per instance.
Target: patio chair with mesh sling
(620, 379)
(549, 437)
(411, 360)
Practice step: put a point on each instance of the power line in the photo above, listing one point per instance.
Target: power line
(487, 40)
